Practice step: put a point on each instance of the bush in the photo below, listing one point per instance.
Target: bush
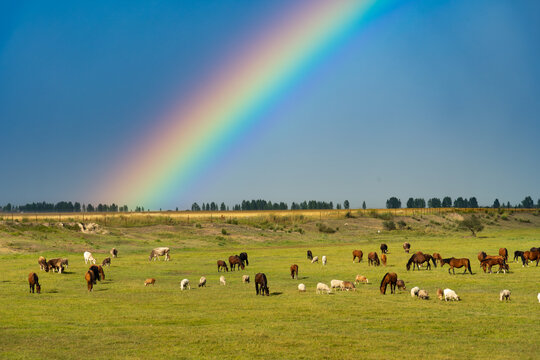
(198, 226)
(389, 225)
(224, 232)
(473, 224)
(325, 229)
(401, 224)
(233, 221)
(349, 215)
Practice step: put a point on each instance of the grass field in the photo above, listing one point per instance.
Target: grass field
(123, 319)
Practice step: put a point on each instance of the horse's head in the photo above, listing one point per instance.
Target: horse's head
(151, 255)
(267, 291)
(38, 288)
(409, 266)
(242, 265)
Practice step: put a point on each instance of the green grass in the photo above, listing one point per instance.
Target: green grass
(123, 319)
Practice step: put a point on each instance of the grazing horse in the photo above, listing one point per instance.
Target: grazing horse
(373, 259)
(357, 254)
(159, 251)
(383, 259)
(457, 263)
(518, 255)
(235, 260)
(531, 256)
(294, 271)
(106, 262)
(499, 260)
(55, 264)
(94, 269)
(437, 256)
(222, 265)
(401, 285)
(406, 247)
(43, 264)
(309, 255)
(101, 273)
(504, 253)
(90, 278)
(260, 281)
(420, 258)
(389, 278)
(384, 249)
(33, 281)
(243, 256)
(114, 252)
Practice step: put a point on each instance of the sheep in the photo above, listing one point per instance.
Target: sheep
(222, 280)
(539, 297)
(450, 295)
(361, 279)
(301, 287)
(504, 295)
(401, 285)
(324, 260)
(423, 294)
(114, 252)
(202, 281)
(323, 287)
(185, 284)
(315, 259)
(334, 284)
(245, 279)
(347, 285)
(440, 294)
(151, 281)
(414, 291)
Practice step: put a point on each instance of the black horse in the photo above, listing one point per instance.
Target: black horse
(518, 255)
(243, 256)
(309, 255)
(384, 248)
(260, 280)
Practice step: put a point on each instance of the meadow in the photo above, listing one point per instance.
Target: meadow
(124, 319)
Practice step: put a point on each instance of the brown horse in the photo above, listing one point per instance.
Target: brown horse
(437, 256)
(420, 258)
(33, 281)
(504, 253)
(222, 265)
(294, 271)
(531, 256)
(357, 254)
(43, 264)
(481, 256)
(383, 259)
(373, 259)
(90, 278)
(457, 263)
(389, 278)
(401, 285)
(261, 284)
(406, 247)
(235, 260)
(498, 260)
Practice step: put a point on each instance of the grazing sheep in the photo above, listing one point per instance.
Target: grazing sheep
(302, 288)
(334, 284)
(202, 281)
(401, 285)
(106, 262)
(450, 295)
(324, 260)
(361, 279)
(539, 297)
(151, 281)
(440, 294)
(43, 264)
(414, 291)
(423, 294)
(323, 287)
(88, 257)
(222, 280)
(114, 252)
(184, 284)
(504, 295)
(245, 279)
(315, 259)
(347, 285)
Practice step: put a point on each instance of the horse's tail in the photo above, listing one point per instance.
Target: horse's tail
(434, 261)
(469, 266)
(383, 282)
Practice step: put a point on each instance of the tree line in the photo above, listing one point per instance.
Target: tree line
(260, 204)
(460, 202)
(63, 206)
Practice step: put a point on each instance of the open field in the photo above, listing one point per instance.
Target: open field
(123, 319)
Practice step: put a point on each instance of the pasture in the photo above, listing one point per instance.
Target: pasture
(122, 318)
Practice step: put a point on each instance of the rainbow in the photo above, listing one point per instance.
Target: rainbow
(161, 170)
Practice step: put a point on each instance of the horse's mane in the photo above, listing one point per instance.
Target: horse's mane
(383, 279)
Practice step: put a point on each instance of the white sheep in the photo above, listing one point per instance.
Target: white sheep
(414, 291)
(323, 287)
(504, 295)
(334, 284)
(245, 279)
(539, 297)
(315, 259)
(423, 294)
(301, 287)
(222, 280)
(202, 281)
(324, 260)
(184, 284)
(88, 257)
(450, 295)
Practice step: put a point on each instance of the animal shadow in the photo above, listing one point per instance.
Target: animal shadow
(276, 293)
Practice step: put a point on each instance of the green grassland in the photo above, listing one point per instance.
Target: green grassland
(123, 319)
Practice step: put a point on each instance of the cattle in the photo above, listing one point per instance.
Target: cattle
(202, 281)
(151, 281)
(184, 284)
(323, 288)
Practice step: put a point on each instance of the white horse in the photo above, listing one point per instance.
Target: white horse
(88, 257)
(160, 251)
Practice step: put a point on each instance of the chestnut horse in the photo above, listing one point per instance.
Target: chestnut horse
(420, 258)
(33, 281)
(357, 254)
(504, 253)
(294, 271)
(383, 259)
(90, 278)
(373, 259)
(389, 278)
(496, 260)
(531, 256)
(481, 255)
(235, 260)
(457, 263)
(437, 256)
(260, 281)
(222, 265)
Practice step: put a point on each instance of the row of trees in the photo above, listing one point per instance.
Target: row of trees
(460, 202)
(269, 205)
(63, 206)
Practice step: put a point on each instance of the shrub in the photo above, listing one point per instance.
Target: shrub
(349, 215)
(401, 224)
(473, 224)
(233, 221)
(198, 226)
(224, 232)
(325, 229)
(389, 225)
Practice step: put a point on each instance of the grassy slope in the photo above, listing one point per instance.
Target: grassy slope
(123, 319)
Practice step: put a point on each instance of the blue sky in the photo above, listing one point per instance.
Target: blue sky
(432, 98)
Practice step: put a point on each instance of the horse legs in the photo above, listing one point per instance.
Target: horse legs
(449, 269)
(454, 270)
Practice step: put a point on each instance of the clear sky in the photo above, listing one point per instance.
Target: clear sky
(428, 99)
